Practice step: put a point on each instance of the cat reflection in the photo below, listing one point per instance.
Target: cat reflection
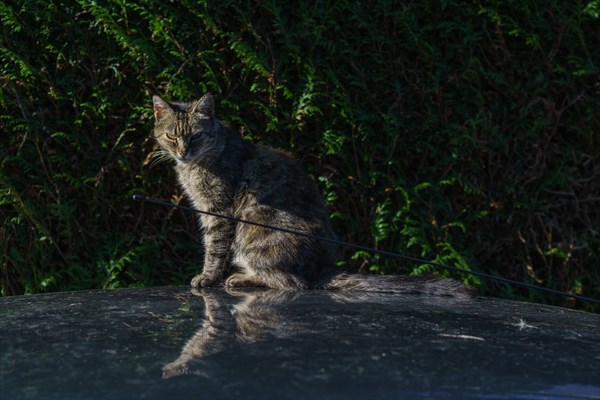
(260, 314)
(256, 316)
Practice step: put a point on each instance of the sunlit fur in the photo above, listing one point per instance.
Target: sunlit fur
(223, 174)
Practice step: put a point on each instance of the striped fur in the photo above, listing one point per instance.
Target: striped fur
(222, 173)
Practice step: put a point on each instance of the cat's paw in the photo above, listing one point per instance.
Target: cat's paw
(239, 280)
(203, 280)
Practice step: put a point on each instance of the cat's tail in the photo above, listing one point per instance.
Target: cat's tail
(406, 284)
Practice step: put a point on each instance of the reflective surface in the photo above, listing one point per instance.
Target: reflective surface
(172, 343)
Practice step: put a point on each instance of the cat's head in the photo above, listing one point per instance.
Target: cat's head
(187, 131)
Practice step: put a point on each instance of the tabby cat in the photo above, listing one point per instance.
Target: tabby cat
(224, 174)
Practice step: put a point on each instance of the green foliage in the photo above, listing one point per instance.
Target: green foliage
(457, 132)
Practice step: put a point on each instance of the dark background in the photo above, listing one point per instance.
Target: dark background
(463, 132)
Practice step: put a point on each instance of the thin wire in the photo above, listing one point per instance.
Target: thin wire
(143, 199)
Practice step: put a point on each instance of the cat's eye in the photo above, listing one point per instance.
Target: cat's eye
(197, 136)
(171, 136)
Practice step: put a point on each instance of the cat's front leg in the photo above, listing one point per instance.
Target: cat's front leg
(218, 236)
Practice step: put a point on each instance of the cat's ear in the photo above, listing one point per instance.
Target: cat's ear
(161, 108)
(206, 105)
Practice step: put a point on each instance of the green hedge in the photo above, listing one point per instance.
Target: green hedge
(449, 130)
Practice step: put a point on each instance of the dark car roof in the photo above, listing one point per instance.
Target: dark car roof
(172, 343)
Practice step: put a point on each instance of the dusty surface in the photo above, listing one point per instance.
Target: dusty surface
(172, 343)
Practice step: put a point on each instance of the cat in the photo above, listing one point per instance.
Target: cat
(222, 173)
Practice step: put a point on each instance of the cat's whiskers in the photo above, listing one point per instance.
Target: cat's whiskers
(159, 156)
